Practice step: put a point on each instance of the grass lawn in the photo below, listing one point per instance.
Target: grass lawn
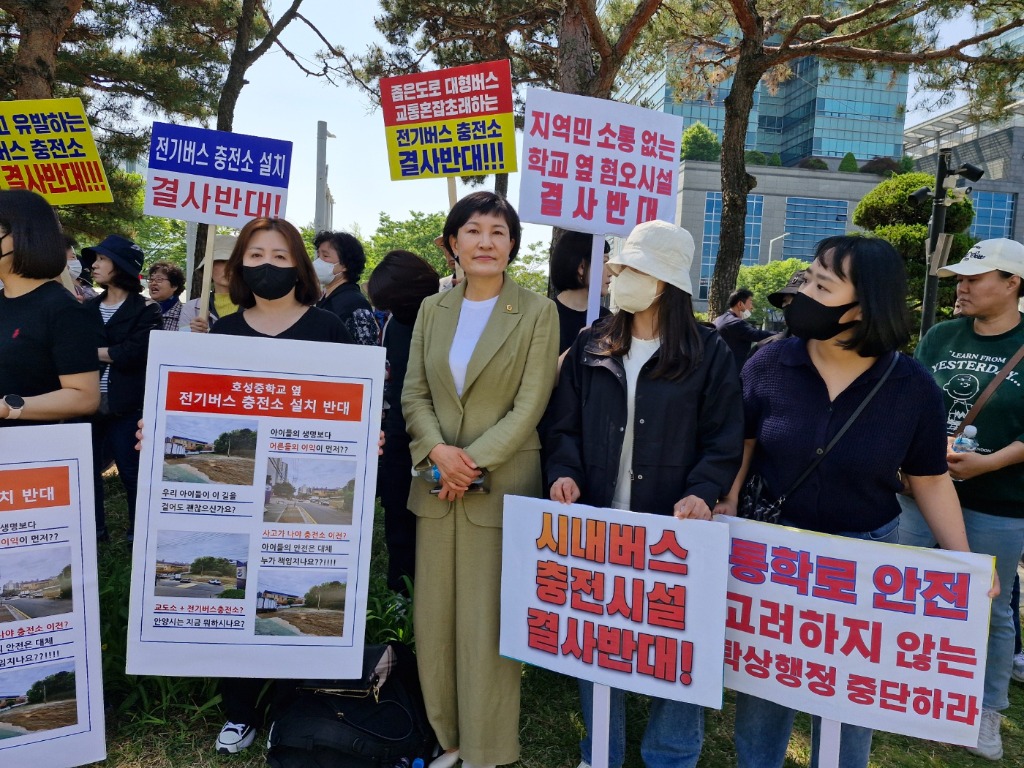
(173, 722)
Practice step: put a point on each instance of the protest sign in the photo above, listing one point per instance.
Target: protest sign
(256, 499)
(451, 122)
(597, 166)
(876, 635)
(628, 600)
(215, 177)
(51, 682)
(46, 147)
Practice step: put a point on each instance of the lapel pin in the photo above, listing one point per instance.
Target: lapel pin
(508, 307)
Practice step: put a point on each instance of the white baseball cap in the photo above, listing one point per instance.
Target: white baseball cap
(658, 249)
(223, 245)
(987, 256)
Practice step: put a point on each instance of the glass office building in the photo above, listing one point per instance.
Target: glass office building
(712, 230)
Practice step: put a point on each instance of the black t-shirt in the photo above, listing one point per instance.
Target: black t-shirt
(45, 334)
(315, 325)
(571, 322)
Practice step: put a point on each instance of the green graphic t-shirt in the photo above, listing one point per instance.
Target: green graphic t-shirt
(963, 363)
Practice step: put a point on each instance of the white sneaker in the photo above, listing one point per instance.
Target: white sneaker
(583, 764)
(234, 737)
(1017, 671)
(990, 743)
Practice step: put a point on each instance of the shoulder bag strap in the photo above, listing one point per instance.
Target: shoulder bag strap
(849, 423)
(989, 391)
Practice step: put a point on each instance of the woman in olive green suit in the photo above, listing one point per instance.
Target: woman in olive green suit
(481, 370)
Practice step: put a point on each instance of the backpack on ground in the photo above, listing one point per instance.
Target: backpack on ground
(376, 721)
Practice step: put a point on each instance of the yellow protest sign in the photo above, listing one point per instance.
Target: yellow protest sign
(46, 146)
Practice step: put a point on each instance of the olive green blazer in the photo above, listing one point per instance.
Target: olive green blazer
(509, 380)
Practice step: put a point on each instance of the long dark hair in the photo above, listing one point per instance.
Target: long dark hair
(681, 347)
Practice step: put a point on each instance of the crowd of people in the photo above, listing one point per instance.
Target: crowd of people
(503, 391)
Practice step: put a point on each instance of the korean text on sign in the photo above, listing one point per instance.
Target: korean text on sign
(871, 634)
(596, 166)
(216, 177)
(613, 597)
(450, 122)
(46, 147)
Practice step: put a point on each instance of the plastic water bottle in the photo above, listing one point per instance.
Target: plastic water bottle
(966, 442)
(417, 763)
(432, 474)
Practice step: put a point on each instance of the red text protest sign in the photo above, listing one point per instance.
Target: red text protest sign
(451, 122)
(22, 489)
(876, 635)
(301, 399)
(597, 166)
(628, 600)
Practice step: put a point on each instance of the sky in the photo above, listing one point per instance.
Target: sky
(205, 428)
(16, 682)
(297, 581)
(281, 102)
(319, 473)
(186, 546)
(33, 564)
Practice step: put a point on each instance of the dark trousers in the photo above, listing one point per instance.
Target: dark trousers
(239, 699)
(113, 440)
(393, 482)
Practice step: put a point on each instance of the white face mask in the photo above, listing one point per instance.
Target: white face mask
(75, 268)
(324, 271)
(634, 291)
(745, 314)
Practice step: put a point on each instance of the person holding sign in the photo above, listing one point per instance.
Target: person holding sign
(481, 369)
(221, 304)
(665, 389)
(48, 341)
(271, 279)
(832, 414)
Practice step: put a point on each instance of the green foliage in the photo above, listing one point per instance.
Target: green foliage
(882, 166)
(213, 566)
(415, 234)
(890, 203)
(765, 279)
(907, 164)
(389, 617)
(66, 585)
(530, 269)
(285, 490)
(700, 143)
(849, 163)
(753, 157)
(57, 686)
(232, 594)
(236, 441)
(814, 164)
(775, 160)
(329, 595)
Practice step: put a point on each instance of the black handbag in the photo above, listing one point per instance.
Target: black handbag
(375, 721)
(754, 502)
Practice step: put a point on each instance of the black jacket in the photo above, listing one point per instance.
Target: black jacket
(687, 434)
(126, 336)
(739, 335)
(348, 303)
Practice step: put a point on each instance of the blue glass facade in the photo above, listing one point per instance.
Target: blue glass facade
(993, 214)
(809, 220)
(712, 229)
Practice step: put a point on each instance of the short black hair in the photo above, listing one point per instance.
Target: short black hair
(879, 278)
(740, 294)
(174, 274)
(124, 280)
(400, 283)
(38, 251)
(572, 250)
(350, 254)
(488, 203)
(321, 237)
(69, 242)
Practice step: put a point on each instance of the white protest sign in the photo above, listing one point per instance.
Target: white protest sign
(256, 499)
(597, 166)
(51, 681)
(876, 635)
(632, 601)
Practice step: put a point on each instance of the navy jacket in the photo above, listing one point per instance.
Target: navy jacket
(126, 335)
(687, 434)
(739, 335)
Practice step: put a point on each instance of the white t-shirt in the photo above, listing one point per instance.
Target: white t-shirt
(640, 351)
(472, 320)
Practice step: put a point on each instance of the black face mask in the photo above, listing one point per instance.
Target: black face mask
(270, 282)
(810, 319)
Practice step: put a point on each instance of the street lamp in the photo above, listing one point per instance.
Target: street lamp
(771, 244)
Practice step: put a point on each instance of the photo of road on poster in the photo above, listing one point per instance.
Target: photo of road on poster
(36, 583)
(309, 491)
(210, 450)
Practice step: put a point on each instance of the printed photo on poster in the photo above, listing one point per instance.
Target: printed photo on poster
(38, 698)
(211, 450)
(35, 583)
(309, 491)
(200, 564)
(300, 602)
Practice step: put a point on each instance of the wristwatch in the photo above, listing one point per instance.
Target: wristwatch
(14, 405)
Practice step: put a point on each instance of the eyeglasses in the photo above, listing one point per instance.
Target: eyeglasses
(158, 280)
